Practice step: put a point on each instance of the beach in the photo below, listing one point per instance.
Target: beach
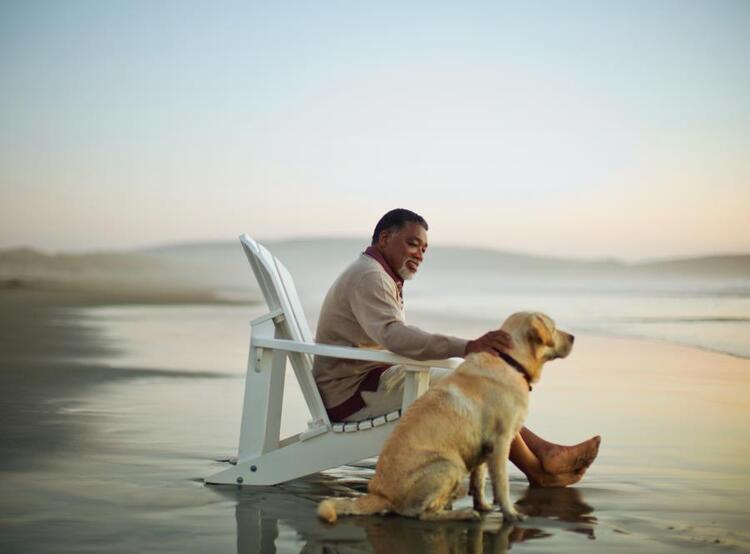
(589, 161)
(113, 414)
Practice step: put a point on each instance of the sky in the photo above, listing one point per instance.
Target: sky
(563, 128)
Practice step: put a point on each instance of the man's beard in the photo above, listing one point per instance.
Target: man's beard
(404, 272)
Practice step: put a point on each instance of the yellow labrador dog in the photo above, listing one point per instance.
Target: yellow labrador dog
(463, 424)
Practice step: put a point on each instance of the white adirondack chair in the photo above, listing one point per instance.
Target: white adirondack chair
(265, 459)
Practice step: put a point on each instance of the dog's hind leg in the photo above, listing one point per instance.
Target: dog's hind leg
(431, 491)
(461, 490)
(476, 485)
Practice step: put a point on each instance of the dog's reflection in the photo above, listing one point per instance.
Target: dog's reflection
(283, 518)
(389, 535)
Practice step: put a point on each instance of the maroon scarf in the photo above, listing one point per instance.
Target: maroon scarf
(377, 255)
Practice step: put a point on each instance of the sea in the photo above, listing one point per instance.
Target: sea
(463, 300)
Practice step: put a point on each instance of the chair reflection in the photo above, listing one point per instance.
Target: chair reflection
(283, 518)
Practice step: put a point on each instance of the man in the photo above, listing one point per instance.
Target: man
(364, 308)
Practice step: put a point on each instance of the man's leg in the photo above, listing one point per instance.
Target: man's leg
(387, 398)
(556, 458)
(551, 465)
(544, 463)
(390, 393)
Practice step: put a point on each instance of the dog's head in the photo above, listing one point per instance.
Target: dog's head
(536, 340)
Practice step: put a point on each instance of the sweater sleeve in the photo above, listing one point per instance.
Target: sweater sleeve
(374, 303)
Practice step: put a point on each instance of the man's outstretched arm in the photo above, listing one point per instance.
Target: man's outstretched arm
(375, 305)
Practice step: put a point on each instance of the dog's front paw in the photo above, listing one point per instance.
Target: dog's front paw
(512, 515)
(483, 506)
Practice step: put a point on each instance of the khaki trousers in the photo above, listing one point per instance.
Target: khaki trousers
(390, 393)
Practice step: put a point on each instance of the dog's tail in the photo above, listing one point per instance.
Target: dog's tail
(330, 508)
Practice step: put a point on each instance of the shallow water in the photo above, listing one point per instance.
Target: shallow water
(672, 471)
(711, 319)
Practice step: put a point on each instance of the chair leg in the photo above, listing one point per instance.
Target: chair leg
(261, 411)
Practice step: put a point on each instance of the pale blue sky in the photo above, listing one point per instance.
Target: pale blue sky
(564, 128)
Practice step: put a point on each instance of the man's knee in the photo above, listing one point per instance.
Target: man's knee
(392, 379)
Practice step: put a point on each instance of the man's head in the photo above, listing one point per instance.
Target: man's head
(401, 236)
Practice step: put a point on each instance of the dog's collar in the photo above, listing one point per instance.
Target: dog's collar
(517, 366)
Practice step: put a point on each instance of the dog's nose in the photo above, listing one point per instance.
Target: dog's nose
(572, 339)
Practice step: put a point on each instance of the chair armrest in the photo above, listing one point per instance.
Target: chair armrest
(348, 353)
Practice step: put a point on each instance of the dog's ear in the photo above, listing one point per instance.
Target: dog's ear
(539, 333)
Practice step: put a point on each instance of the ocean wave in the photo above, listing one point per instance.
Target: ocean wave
(698, 319)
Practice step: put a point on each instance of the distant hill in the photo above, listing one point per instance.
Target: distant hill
(343, 250)
(707, 266)
(316, 262)
(21, 262)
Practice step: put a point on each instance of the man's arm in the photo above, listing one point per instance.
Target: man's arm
(375, 305)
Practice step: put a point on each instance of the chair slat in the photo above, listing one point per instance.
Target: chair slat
(300, 321)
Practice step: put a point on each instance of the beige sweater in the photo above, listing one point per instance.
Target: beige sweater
(363, 309)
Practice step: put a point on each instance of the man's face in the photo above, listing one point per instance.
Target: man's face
(404, 250)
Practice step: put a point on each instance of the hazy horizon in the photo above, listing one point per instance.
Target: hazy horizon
(364, 241)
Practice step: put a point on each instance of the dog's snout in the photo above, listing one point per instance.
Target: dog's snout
(572, 338)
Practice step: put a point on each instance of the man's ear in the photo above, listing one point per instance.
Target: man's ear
(539, 333)
(383, 239)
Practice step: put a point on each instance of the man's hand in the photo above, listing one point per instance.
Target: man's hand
(493, 342)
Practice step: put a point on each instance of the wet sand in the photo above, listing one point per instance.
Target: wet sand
(98, 456)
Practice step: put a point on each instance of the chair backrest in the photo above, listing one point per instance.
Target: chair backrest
(278, 289)
(280, 293)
